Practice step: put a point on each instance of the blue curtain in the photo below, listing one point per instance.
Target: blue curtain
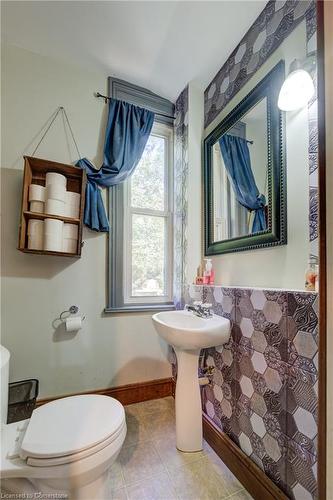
(127, 132)
(236, 157)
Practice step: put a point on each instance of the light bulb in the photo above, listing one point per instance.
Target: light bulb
(296, 91)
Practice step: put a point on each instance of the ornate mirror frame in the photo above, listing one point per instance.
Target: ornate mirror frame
(276, 234)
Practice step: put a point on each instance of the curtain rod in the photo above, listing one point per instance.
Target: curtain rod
(106, 98)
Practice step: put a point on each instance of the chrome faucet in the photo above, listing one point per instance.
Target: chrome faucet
(202, 310)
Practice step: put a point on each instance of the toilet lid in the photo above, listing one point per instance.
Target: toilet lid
(70, 425)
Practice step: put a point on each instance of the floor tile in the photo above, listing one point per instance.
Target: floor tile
(140, 461)
(149, 407)
(134, 410)
(160, 424)
(198, 480)
(136, 431)
(158, 487)
(158, 405)
(241, 495)
(231, 482)
(118, 495)
(116, 482)
(172, 457)
(150, 467)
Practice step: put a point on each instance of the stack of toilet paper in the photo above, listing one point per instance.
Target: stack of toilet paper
(59, 201)
(72, 204)
(70, 237)
(55, 193)
(52, 235)
(35, 234)
(37, 198)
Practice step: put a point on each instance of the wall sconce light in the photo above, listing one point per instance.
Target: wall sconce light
(298, 87)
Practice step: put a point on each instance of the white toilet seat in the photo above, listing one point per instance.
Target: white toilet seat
(68, 426)
(68, 459)
(53, 441)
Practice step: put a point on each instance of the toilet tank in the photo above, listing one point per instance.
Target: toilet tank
(4, 363)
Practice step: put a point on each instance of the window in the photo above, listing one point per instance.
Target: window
(148, 223)
(140, 211)
(141, 237)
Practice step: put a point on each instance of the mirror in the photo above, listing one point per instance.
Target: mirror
(240, 176)
(244, 173)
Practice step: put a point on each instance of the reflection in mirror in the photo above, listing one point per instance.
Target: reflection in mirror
(240, 176)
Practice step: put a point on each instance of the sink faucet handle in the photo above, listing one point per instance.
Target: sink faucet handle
(207, 308)
(197, 303)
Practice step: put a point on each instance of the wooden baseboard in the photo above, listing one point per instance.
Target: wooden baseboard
(128, 394)
(247, 472)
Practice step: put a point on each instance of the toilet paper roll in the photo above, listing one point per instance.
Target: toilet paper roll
(37, 207)
(69, 245)
(53, 226)
(73, 324)
(53, 229)
(35, 242)
(36, 192)
(72, 211)
(73, 198)
(55, 207)
(56, 192)
(71, 231)
(73, 201)
(35, 227)
(52, 243)
(54, 178)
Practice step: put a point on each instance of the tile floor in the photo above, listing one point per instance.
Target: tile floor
(149, 467)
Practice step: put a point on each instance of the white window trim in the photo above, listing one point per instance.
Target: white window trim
(166, 132)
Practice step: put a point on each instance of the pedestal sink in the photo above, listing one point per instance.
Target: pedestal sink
(188, 334)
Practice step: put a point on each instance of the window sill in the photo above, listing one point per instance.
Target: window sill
(140, 308)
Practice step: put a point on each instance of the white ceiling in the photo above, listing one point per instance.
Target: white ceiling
(159, 45)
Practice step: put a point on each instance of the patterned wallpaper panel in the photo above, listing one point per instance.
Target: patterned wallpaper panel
(311, 36)
(180, 194)
(263, 391)
(272, 26)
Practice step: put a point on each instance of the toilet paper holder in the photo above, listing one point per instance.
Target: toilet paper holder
(71, 310)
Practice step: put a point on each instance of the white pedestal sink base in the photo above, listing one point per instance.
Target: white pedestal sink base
(188, 402)
(188, 334)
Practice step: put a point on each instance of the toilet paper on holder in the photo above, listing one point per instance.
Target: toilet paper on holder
(73, 323)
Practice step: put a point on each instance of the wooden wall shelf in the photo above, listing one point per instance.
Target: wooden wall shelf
(35, 170)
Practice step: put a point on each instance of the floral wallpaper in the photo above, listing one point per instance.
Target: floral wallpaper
(263, 390)
(311, 36)
(273, 25)
(180, 195)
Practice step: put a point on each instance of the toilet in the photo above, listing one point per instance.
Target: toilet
(66, 448)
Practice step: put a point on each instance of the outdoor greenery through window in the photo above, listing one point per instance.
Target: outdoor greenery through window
(148, 223)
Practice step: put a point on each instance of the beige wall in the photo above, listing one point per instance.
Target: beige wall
(195, 131)
(109, 350)
(283, 266)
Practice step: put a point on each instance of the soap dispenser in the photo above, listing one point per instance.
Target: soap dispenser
(209, 272)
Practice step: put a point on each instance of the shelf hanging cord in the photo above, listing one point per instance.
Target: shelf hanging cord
(54, 116)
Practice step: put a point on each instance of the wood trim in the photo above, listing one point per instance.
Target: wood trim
(128, 394)
(322, 347)
(248, 473)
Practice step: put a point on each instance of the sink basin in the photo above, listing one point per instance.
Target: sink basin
(188, 334)
(184, 330)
